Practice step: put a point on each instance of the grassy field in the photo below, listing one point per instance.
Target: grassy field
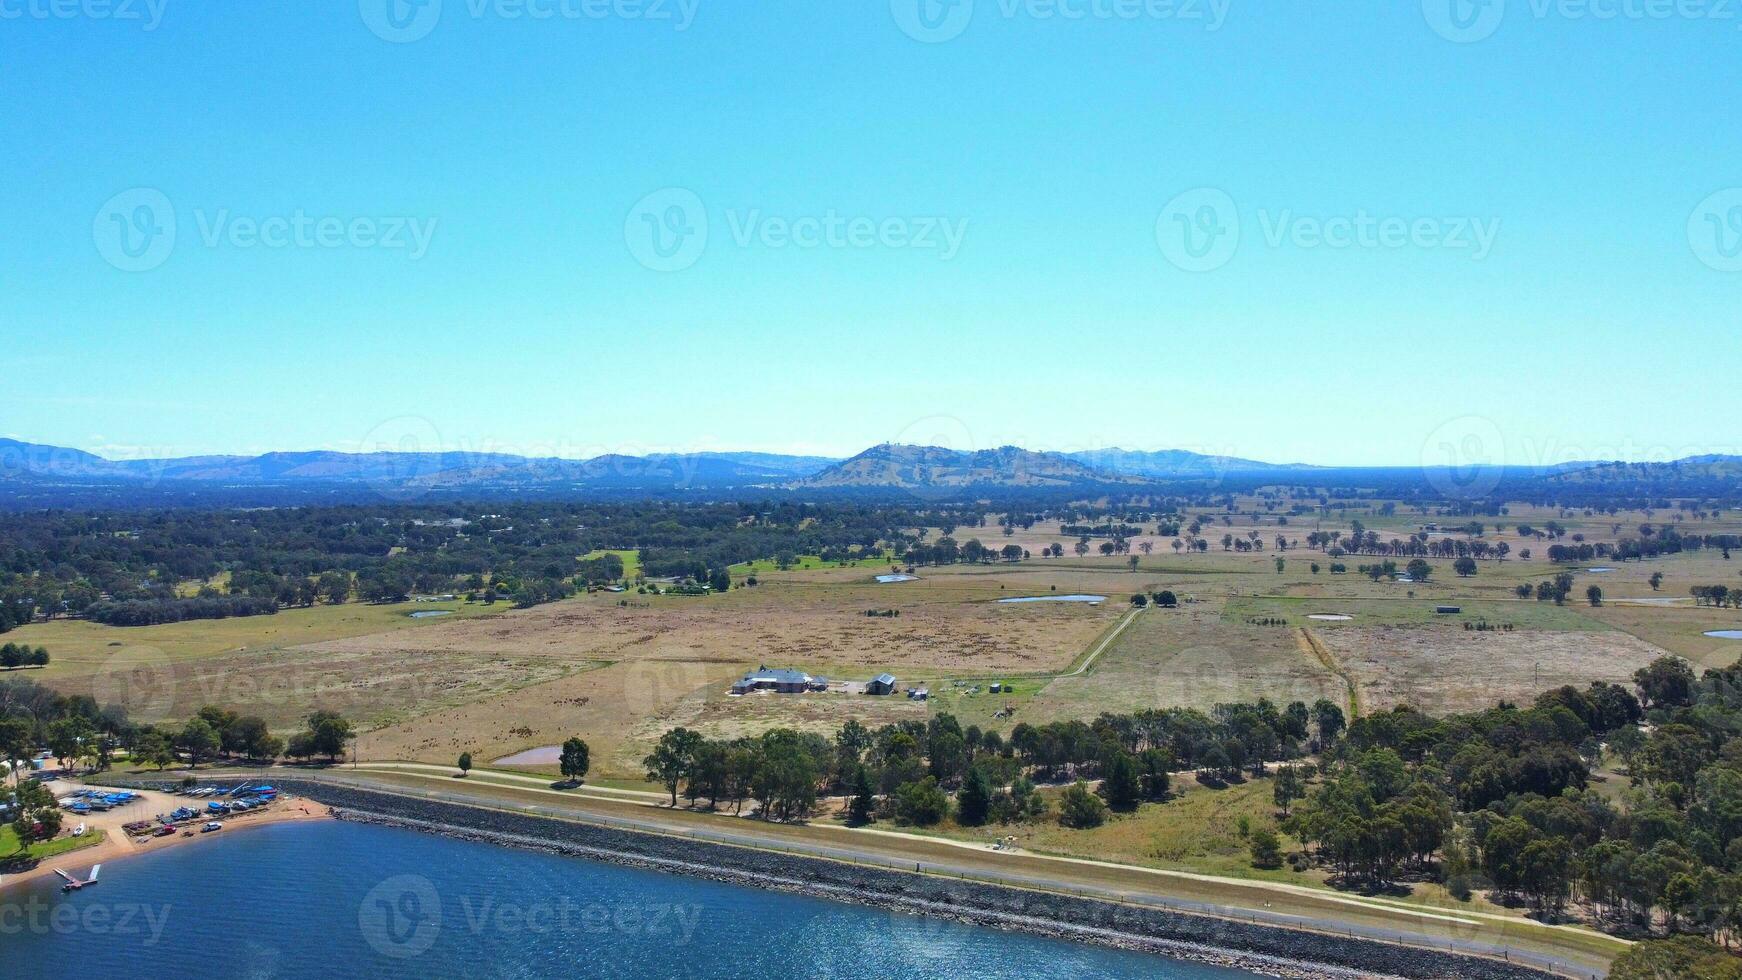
(79, 646)
(40, 850)
(631, 561)
(766, 566)
(619, 669)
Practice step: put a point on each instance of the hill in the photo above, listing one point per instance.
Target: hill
(919, 467)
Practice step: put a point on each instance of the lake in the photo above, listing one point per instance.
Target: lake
(335, 899)
(1091, 599)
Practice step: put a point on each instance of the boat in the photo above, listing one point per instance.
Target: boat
(79, 831)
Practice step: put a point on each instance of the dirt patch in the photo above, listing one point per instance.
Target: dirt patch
(1444, 670)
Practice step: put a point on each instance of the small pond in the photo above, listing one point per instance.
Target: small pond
(1091, 599)
(1330, 617)
(431, 613)
(1725, 634)
(544, 755)
(887, 579)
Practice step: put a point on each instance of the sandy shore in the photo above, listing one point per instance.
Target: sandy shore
(118, 845)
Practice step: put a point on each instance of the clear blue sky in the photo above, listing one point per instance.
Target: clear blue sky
(1594, 322)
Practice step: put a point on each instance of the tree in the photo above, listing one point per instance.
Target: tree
(1656, 581)
(859, 808)
(1680, 956)
(152, 749)
(1121, 786)
(67, 737)
(328, 734)
(672, 758)
(921, 803)
(39, 815)
(1668, 682)
(1266, 849)
(575, 760)
(1594, 595)
(1081, 809)
(1287, 788)
(1464, 566)
(198, 740)
(975, 799)
(250, 737)
(1418, 570)
(335, 587)
(465, 763)
(1166, 599)
(1328, 717)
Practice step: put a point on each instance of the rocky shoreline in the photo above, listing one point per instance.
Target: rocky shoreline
(1262, 949)
(1251, 962)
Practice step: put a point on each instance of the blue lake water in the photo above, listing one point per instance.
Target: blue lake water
(339, 900)
(1093, 599)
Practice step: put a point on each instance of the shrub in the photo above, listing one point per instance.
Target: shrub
(1081, 809)
(1266, 849)
(921, 803)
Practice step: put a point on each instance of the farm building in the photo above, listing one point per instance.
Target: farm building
(780, 680)
(881, 684)
(1448, 610)
(918, 694)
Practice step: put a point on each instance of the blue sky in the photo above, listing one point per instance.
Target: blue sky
(435, 225)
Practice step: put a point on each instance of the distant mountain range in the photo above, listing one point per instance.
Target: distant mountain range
(1175, 464)
(37, 463)
(36, 471)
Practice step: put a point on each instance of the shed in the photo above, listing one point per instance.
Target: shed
(1448, 610)
(881, 684)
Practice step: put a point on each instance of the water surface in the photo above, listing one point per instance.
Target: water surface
(347, 900)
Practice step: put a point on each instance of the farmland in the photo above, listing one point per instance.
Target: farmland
(620, 668)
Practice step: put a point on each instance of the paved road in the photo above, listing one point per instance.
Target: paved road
(871, 854)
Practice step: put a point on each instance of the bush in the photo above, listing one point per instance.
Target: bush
(1266, 849)
(1683, 956)
(1081, 809)
(1459, 886)
(921, 803)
